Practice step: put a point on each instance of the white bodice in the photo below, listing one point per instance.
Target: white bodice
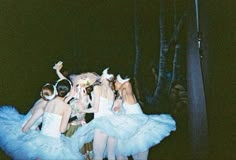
(132, 108)
(105, 108)
(51, 124)
(36, 123)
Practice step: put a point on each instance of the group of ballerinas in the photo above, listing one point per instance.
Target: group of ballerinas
(56, 128)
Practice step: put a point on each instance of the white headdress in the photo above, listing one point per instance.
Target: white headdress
(120, 80)
(84, 79)
(52, 96)
(106, 75)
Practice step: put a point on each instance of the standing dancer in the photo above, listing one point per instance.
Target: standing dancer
(103, 98)
(156, 128)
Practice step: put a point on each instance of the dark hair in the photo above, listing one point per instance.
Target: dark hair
(89, 89)
(63, 87)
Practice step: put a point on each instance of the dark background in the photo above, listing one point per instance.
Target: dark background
(86, 36)
(218, 18)
(92, 35)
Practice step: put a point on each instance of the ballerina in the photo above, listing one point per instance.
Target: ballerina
(48, 93)
(156, 128)
(78, 101)
(133, 132)
(105, 128)
(12, 121)
(102, 102)
(50, 143)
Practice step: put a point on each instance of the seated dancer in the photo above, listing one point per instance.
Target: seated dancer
(12, 121)
(155, 129)
(49, 143)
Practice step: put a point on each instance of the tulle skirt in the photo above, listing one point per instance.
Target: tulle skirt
(87, 148)
(38, 146)
(134, 132)
(31, 145)
(152, 133)
(11, 123)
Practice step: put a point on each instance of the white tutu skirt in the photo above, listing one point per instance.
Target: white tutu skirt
(33, 144)
(118, 126)
(156, 129)
(36, 145)
(134, 132)
(11, 122)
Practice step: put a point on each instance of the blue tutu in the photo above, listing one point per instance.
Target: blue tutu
(11, 123)
(118, 126)
(156, 129)
(134, 132)
(33, 144)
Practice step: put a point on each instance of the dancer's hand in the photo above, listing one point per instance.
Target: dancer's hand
(116, 108)
(58, 65)
(83, 122)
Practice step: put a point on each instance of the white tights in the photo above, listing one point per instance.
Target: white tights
(100, 142)
(141, 156)
(120, 157)
(138, 156)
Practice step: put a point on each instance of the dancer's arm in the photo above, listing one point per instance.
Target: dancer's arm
(95, 105)
(128, 94)
(128, 89)
(58, 66)
(65, 119)
(70, 96)
(117, 104)
(32, 120)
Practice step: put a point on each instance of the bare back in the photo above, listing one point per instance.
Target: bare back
(56, 106)
(40, 104)
(59, 107)
(128, 94)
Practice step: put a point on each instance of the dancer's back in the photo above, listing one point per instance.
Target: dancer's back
(51, 124)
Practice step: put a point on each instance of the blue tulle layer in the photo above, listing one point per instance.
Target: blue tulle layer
(33, 144)
(134, 132)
